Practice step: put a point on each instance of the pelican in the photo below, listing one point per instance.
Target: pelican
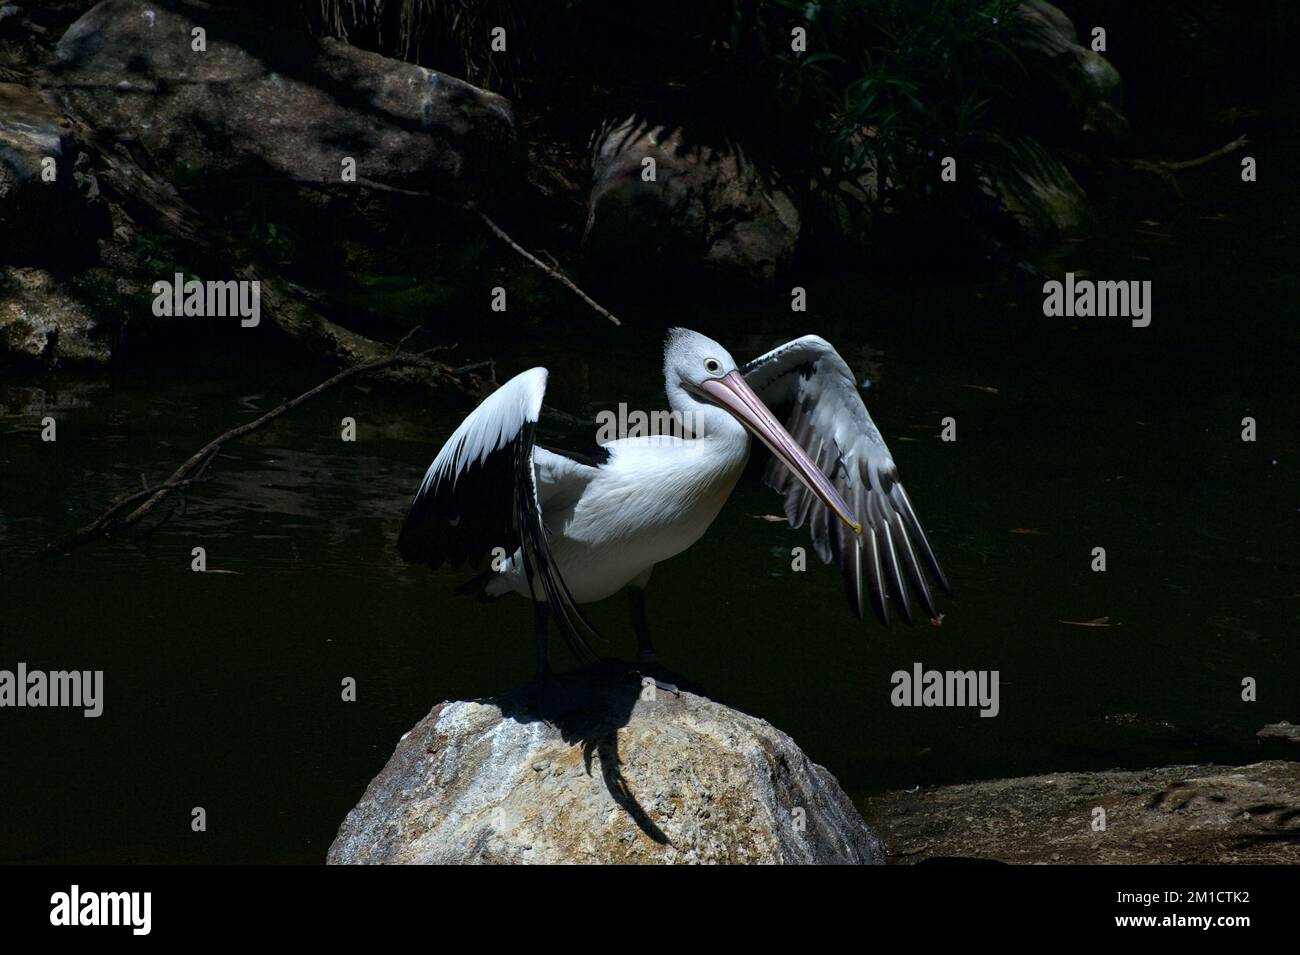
(569, 529)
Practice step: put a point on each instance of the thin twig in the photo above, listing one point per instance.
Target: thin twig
(1166, 166)
(194, 468)
(397, 349)
(558, 276)
(474, 210)
(1238, 143)
(99, 526)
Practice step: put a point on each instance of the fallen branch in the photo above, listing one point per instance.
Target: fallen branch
(97, 527)
(1165, 165)
(192, 471)
(1165, 169)
(553, 273)
(472, 209)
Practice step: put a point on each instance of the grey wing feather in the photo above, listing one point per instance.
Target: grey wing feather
(890, 561)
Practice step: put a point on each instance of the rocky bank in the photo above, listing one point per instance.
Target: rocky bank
(1178, 814)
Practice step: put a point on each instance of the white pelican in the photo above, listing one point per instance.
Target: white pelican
(576, 529)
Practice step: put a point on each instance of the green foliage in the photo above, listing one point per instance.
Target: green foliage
(157, 256)
(886, 88)
(277, 242)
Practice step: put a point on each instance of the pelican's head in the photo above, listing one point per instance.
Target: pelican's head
(700, 370)
(690, 359)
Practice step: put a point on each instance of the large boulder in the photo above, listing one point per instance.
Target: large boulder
(613, 778)
(1076, 89)
(1035, 190)
(708, 210)
(40, 320)
(45, 203)
(260, 106)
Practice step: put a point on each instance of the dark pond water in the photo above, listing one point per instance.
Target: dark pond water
(223, 689)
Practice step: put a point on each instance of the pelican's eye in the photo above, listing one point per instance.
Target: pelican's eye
(712, 366)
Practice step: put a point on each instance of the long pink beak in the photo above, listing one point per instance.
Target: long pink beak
(734, 394)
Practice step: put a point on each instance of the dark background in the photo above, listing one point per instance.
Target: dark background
(223, 690)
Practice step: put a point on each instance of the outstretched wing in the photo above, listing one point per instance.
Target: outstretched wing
(828, 419)
(481, 493)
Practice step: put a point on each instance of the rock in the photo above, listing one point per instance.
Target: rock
(1036, 190)
(1280, 736)
(710, 210)
(1075, 88)
(613, 779)
(262, 106)
(1182, 814)
(9, 11)
(39, 217)
(40, 320)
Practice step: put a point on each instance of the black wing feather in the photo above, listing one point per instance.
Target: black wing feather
(477, 502)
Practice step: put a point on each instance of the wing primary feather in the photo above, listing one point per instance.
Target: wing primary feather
(908, 557)
(853, 573)
(904, 505)
(897, 588)
(850, 555)
(875, 579)
(538, 563)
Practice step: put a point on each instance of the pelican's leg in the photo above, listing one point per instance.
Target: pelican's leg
(540, 614)
(649, 660)
(645, 650)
